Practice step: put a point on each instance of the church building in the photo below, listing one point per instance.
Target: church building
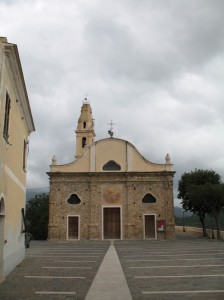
(110, 191)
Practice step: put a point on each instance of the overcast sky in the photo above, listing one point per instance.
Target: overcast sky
(154, 67)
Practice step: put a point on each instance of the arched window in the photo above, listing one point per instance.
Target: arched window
(6, 120)
(2, 207)
(149, 198)
(111, 166)
(83, 142)
(73, 199)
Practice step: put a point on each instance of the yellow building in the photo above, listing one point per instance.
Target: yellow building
(110, 191)
(16, 124)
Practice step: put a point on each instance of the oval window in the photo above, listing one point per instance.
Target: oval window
(149, 198)
(73, 199)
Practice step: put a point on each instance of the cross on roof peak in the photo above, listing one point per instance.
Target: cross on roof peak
(85, 101)
(110, 131)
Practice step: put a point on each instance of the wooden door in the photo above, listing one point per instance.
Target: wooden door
(73, 227)
(149, 227)
(111, 223)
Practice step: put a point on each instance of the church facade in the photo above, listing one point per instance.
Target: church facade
(110, 191)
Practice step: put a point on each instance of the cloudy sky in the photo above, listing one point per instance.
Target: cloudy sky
(155, 68)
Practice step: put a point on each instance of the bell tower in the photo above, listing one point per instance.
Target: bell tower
(85, 129)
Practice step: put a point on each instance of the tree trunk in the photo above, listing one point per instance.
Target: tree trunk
(202, 220)
(217, 227)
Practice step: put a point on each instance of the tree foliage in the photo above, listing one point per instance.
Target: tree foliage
(200, 193)
(37, 213)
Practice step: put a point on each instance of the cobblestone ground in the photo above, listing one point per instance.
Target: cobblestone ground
(55, 270)
(188, 268)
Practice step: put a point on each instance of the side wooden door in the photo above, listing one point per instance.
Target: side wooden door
(150, 232)
(73, 227)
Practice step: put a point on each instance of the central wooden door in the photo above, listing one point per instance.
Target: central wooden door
(111, 223)
(150, 232)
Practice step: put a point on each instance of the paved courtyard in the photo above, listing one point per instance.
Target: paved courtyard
(189, 268)
(55, 270)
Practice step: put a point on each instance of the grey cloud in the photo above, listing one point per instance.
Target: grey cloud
(154, 67)
(191, 38)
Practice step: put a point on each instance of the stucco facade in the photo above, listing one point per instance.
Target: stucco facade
(16, 124)
(110, 192)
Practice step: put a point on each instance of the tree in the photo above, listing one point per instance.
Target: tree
(37, 213)
(214, 195)
(198, 203)
(193, 196)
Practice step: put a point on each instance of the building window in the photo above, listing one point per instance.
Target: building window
(83, 142)
(111, 166)
(6, 120)
(73, 228)
(73, 199)
(24, 154)
(2, 207)
(149, 198)
(84, 124)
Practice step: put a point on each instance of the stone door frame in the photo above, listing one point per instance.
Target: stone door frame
(121, 220)
(155, 235)
(67, 234)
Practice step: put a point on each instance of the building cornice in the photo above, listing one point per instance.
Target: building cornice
(14, 67)
(111, 174)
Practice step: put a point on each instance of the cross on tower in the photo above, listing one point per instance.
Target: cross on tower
(110, 131)
(85, 98)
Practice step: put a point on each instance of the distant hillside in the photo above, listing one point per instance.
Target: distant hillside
(178, 212)
(33, 192)
(193, 220)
